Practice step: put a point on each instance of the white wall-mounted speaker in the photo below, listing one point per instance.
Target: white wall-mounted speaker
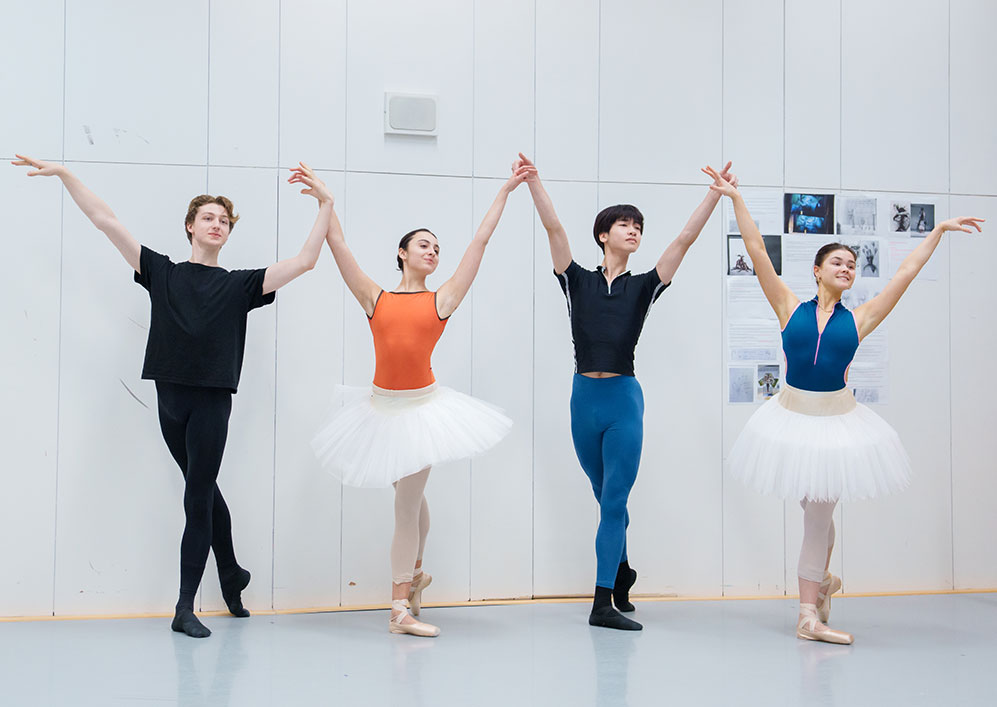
(409, 114)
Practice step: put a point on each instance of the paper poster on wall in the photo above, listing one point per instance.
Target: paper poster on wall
(767, 381)
(753, 340)
(745, 300)
(900, 248)
(765, 207)
(922, 219)
(856, 215)
(868, 260)
(808, 213)
(739, 262)
(740, 384)
(798, 264)
(899, 217)
(868, 376)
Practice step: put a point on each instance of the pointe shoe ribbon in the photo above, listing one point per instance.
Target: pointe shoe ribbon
(810, 629)
(414, 628)
(828, 586)
(422, 581)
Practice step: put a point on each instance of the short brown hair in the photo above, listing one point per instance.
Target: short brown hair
(198, 201)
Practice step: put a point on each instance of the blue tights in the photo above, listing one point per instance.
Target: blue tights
(607, 427)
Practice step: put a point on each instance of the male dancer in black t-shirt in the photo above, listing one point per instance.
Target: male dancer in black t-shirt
(197, 336)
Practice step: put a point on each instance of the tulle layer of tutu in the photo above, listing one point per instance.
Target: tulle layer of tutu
(821, 446)
(374, 437)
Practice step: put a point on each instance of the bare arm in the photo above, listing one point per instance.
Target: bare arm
(560, 251)
(281, 273)
(776, 291)
(670, 260)
(452, 292)
(363, 288)
(868, 316)
(91, 205)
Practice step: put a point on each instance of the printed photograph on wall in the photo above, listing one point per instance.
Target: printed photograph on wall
(899, 217)
(808, 213)
(922, 219)
(740, 384)
(855, 215)
(738, 261)
(866, 256)
(767, 381)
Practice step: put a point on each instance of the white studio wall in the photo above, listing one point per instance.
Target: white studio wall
(618, 101)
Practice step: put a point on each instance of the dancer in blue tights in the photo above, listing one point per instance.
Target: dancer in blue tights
(607, 307)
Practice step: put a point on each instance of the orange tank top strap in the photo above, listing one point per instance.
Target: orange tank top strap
(406, 327)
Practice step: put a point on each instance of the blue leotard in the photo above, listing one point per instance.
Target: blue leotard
(815, 360)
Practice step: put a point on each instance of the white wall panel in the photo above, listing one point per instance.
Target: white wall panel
(425, 48)
(29, 387)
(313, 83)
(894, 79)
(973, 342)
(244, 74)
(674, 539)
(813, 93)
(246, 478)
(136, 81)
(972, 96)
(565, 514)
(381, 209)
(905, 541)
(503, 84)
(502, 353)
(567, 88)
(31, 124)
(120, 513)
(660, 97)
(753, 89)
(310, 345)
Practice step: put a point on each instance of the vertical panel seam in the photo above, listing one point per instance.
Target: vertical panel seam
(723, 312)
(533, 347)
(470, 463)
(342, 284)
(276, 338)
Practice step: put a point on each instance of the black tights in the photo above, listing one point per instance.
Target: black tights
(194, 422)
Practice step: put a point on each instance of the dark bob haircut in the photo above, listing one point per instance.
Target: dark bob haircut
(407, 238)
(610, 215)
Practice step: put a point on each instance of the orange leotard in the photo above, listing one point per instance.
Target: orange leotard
(406, 327)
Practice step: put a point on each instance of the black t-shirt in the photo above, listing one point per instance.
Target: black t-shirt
(606, 320)
(197, 333)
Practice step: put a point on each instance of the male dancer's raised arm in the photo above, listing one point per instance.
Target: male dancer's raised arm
(560, 251)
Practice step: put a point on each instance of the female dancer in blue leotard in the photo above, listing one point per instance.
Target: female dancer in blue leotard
(812, 441)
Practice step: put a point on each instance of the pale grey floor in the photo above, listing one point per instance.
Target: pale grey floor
(924, 650)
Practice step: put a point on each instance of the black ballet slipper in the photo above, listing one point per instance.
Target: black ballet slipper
(608, 617)
(184, 621)
(232, 592)
(621, 590)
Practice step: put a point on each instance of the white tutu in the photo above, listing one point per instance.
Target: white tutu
(821, 446)
(379, 436)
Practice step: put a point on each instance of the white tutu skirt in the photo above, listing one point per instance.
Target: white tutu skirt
(822, 446)
(373, 437)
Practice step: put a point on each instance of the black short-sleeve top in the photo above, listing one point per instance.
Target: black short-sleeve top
(197, 331)
(607, 318)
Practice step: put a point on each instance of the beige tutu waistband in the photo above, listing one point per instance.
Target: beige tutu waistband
(816, 403)
(413, 393)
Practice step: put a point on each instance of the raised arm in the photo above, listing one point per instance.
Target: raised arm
(868, 316)
(452, 292)
(670, 260)
(560, 251)
(281, 273)
(363, 288)
(91, 205)
(776, 291)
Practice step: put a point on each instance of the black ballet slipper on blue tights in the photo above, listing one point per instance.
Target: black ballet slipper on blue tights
(232, 587)
(608, 617)
(625, 579)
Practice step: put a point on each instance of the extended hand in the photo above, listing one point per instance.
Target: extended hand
(520, 173)
(524, 161)
(42, 169)
(729, 176)
(720, 184)
(961, 223)
(303, 174)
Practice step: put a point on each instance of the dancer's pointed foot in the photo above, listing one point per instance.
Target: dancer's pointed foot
(232, 587)
(419, 582)
(608, 617)
(828, 586)
(626, 576)
(184, 621)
